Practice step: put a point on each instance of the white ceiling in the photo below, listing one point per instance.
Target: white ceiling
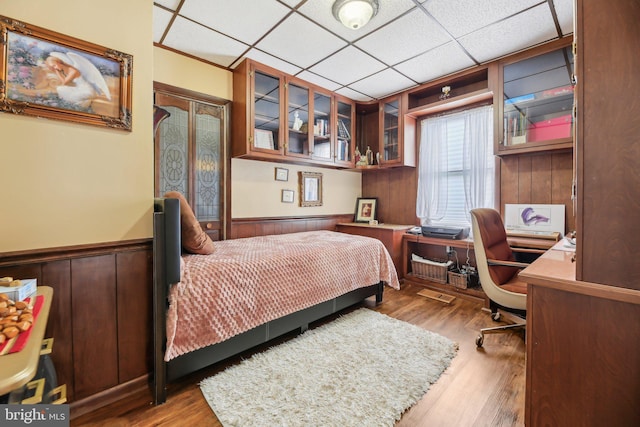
(409, 42)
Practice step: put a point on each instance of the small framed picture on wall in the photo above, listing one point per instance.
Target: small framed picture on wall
(287, 196)
(282, 174)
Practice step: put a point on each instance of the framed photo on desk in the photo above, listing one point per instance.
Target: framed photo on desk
(366, 209)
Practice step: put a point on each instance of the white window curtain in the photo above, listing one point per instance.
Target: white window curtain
(456, 167)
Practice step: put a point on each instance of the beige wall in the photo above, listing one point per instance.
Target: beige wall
(256, 193)
(171, 68)
(65, 183)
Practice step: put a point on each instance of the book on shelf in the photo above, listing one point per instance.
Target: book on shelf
(321, 127)
(521, 98)
(343, 150)
(564, 90)
(343, 131)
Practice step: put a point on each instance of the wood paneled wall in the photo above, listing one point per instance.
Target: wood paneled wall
(251, 227)
(100, 316)
(608, 164)
(538, 179)
(527, 178)
(396, 190)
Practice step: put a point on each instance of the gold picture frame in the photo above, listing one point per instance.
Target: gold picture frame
(55, 76)
(310, 189)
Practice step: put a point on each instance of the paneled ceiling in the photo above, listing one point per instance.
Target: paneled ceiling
(409, 42)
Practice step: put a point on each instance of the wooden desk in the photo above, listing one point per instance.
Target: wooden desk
(583, 363)
(435, 248)
(389, 234)
(19, 368)
(530, 242)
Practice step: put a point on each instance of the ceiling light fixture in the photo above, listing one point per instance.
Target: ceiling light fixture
(355, 13)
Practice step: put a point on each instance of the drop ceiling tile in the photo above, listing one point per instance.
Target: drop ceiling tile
(169, 4)
(292, 3)
(320, 11)
(383, 83)
(319, 80)
(197, 40)
(300, 41)
(348, 65)
(244, 20)
(463, 17)
(271, 61)
(352, 94)
(564, 11)
(443, 60)
(507, 36)
(161, 19)
(486, 29)
(408, 36)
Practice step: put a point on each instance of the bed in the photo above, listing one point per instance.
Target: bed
(208, 308)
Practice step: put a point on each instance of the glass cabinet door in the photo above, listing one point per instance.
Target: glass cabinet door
(538, 100)
(209, 155)
(297, 120)
(190, 157)
(266, 109)
(390, 135)
(344, 143)
(322, 126)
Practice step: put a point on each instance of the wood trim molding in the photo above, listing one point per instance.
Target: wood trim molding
(68, 252)
(113, 394)
(250, 227)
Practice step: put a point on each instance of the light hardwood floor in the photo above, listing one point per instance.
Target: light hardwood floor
(481, 387)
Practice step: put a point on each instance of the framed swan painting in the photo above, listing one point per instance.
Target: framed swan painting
(51, 75)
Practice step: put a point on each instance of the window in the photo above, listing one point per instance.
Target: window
(190, 150)
(456, 167)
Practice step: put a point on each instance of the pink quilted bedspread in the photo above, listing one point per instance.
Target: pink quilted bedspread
(247, 282)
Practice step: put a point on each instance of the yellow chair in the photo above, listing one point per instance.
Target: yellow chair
(498, 271)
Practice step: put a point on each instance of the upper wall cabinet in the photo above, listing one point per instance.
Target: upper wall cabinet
(536, 101)
(258, 106)
(345, 121)
(278, 117)
(391, 131)
(386, 131)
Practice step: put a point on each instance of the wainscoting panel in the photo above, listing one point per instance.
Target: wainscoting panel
(57, 274)
(100, 316)
(251, 227)
(135, 287)
(94, 326)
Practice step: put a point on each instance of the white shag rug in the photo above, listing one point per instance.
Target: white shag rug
(362, 369)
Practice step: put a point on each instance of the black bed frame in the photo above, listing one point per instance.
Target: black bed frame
(166, 272)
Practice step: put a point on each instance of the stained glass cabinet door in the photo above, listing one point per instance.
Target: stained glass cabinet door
(190, 153)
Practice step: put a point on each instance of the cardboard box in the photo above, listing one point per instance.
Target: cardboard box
(19, 293)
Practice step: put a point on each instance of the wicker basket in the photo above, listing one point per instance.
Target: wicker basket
(463, 280)
(435, 273)
(458, 280)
